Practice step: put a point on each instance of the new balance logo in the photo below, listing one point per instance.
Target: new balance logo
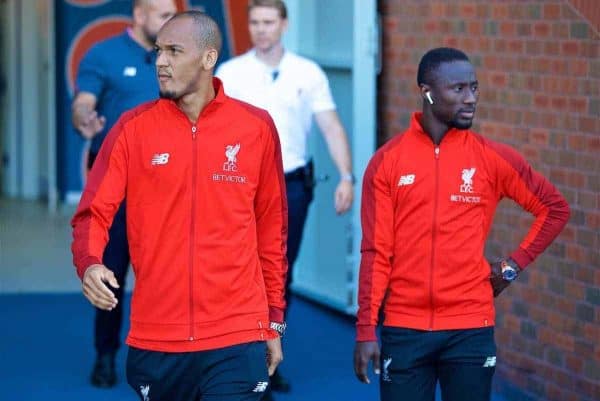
(160, 158)
(490, 362)
(261, 387)
(145, 392)
(386, 373)
(406, 180)
(130, 72)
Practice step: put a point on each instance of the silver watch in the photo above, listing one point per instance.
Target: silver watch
(278, 327)
(348, 177)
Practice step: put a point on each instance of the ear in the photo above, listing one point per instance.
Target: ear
(284, 26)
(138, 15)
(426, 93)
(209, 58)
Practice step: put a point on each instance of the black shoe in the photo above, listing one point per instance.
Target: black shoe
(279, 383)
(268, 396)
(104, 374)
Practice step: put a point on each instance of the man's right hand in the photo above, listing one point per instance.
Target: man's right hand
(95, 289)
(85, 117)
(88, 122)
(366, 351)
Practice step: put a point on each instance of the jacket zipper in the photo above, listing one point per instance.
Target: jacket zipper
(193, 230)
(436, 152)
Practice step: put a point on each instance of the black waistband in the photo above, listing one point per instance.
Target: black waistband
(297, 174)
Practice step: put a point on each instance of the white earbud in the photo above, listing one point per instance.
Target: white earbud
(428, 96)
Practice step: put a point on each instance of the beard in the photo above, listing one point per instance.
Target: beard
(461, 124)
(171, 95)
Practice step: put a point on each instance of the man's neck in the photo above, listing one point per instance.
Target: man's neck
(432, 127)
(140, 38)
(192, 104)
(272, 56)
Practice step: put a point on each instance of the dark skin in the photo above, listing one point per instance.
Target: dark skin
(453, 88)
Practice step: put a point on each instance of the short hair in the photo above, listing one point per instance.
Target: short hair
(278, 4)
(434, 58)
(207, 30)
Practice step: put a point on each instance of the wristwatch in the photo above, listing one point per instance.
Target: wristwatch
(348, 177)
(278, 327)
(510, 270)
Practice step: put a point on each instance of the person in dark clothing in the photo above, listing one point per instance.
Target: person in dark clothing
(115, 75)
(429, 197)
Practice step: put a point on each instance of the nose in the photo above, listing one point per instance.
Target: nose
(161, 60)
(471, 97)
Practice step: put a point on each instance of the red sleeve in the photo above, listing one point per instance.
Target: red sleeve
(520, 182)
(270, 207)
(376, 247)
(102, 195)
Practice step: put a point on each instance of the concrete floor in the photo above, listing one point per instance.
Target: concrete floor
(35, 248)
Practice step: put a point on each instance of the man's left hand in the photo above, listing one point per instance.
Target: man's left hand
(498, 282)
(274, 354)
(344, 194)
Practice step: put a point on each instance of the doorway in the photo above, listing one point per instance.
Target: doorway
(342, 37)
(27, 109)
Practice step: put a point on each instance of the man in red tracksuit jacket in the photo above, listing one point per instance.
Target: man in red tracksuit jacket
(207, 223)
(429, 197)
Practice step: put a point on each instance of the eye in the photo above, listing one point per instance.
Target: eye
(458, 88)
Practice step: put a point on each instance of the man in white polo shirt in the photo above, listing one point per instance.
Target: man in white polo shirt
(292, 89)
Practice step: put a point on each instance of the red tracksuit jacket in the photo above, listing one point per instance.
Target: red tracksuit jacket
(206, 222)
(426, 214)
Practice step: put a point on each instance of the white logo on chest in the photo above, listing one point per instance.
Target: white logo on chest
(406, 180)
(160, 158)
(466, 188)
(230, 166)
(231, 152)
(467, 177)
(129, 72)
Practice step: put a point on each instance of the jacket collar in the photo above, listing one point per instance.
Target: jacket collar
(415, 127)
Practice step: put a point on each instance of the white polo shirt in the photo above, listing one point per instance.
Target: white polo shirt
(299, 90)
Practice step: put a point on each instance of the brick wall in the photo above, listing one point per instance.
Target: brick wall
(538, 64)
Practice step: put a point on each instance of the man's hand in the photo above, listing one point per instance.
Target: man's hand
(498, 282)
(274, 354)
(84, 116)
(95, 289)
(88, 123)
(366, 351)
(344, 194)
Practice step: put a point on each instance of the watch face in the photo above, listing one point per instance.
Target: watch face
(509, 273)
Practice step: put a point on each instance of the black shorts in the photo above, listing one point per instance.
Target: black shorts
(413, 361)
(233, 373)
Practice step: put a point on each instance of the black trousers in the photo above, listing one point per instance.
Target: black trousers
(299, 191)
(236, 373)
(107, 327)
(413, 361)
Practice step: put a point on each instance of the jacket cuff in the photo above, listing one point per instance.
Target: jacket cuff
(276, 314)
(521, 257)
(365, 333)
(86, 262)
(271, 334)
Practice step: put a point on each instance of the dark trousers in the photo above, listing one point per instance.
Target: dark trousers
(299, 192)
(236, 373)
(107, 328)
(413, 361)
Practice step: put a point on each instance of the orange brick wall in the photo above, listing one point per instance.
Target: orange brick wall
(538, 64)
